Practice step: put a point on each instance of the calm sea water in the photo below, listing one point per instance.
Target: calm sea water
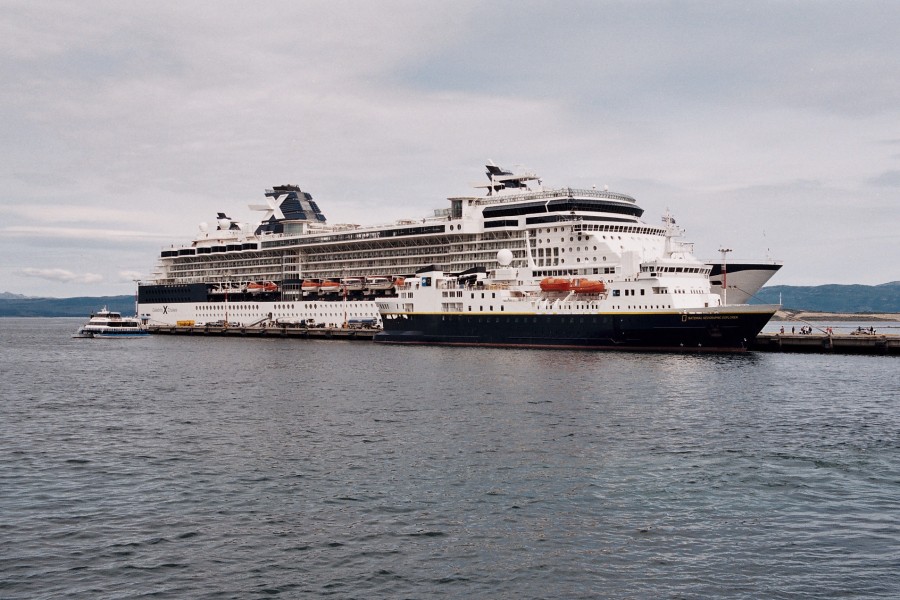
(194, 468)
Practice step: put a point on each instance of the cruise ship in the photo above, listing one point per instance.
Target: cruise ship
(295, 268)
(668, 305)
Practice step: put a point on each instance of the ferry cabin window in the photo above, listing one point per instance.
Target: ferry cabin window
(616, 293)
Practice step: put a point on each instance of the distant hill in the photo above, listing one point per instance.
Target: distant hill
(20, 306)
(884, 298)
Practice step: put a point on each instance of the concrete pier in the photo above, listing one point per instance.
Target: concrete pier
(812, 343)
(823, 343)
(274, 331)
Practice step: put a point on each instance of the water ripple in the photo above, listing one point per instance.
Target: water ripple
(185, 467)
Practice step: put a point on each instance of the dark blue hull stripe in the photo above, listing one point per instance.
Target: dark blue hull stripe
(713, 332)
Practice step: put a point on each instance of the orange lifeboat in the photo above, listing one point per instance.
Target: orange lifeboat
(330, 286)
(310, 286)
(555, 284)
(258, 288)
(587, 286)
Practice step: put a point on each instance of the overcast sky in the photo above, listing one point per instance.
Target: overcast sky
(770, 127)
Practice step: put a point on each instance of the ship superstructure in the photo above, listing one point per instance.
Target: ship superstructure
(294, 266)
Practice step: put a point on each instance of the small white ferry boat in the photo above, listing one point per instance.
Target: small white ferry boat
(108, 324)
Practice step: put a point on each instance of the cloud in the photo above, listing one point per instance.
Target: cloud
(108, 235)
(886, 179)
(673, 57)
(129, 275)
(125, 120)
(62, 275)
(44, 211)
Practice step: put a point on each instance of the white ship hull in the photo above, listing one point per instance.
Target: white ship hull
(335, 313)
(744, 279)
(311, 313)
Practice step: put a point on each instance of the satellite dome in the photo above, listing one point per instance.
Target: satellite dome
(505, 257)
(204, 226)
